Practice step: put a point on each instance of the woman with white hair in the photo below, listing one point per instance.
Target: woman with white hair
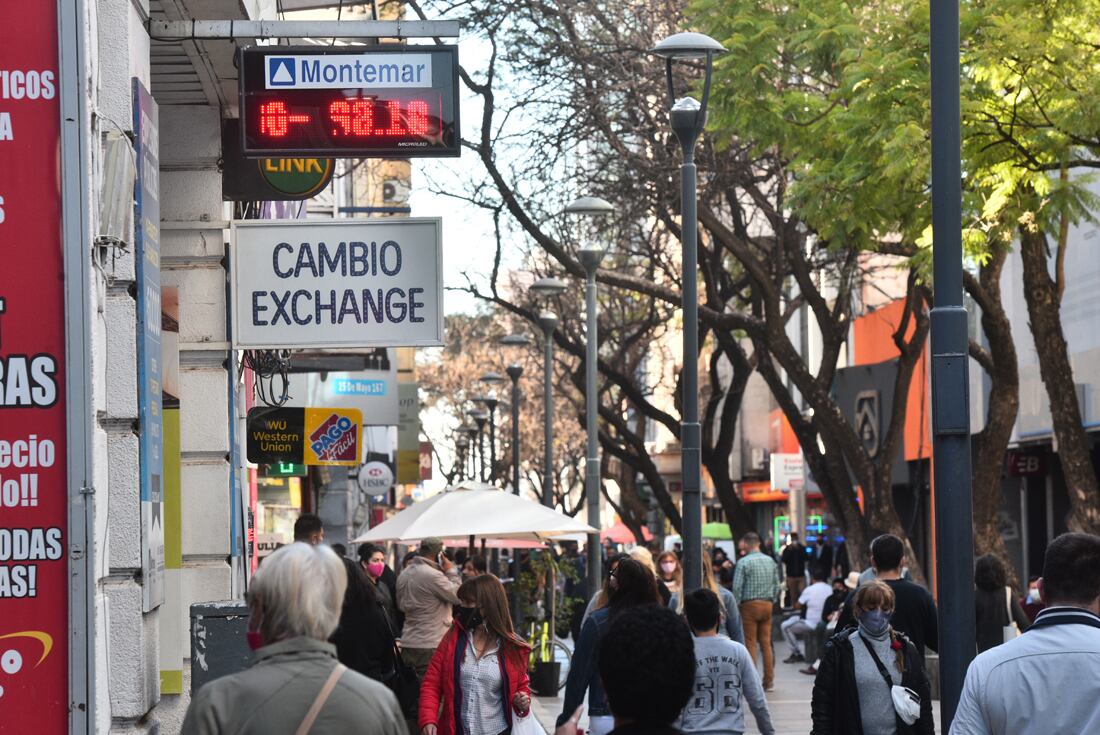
(295, 684)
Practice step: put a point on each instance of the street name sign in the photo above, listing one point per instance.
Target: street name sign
(344, 283)
(353, 101)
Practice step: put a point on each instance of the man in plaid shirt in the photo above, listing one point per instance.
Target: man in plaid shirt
(756, 586)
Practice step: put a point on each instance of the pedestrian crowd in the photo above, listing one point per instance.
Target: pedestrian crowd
(345, 646)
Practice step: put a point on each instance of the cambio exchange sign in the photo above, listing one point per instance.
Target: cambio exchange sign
(349, 283)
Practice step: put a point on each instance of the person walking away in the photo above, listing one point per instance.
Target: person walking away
(830, 611)
(477, 683)
(634, 585)
(995, 608)
(756, 587)
(295, 680)
(1048, 679)
(823, 554)
(426, 592)
(670, 571)
(372, 560)
(363, 639)
(860, 666)
(730, 624)
(1032, 603)
(794, 563)
(601, 598)
(725, 676)
(914, 610)
(812, 602)
(647, 662)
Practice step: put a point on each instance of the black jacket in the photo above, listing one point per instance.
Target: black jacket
(835, 702)
(363, 640)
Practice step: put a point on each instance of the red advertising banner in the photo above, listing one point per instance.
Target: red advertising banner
(34, 687)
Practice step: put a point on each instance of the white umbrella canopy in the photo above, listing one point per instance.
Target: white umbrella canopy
(475, 509)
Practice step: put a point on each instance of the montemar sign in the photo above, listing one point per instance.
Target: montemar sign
(351, 283)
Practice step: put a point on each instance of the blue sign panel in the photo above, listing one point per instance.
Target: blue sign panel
(147, 255)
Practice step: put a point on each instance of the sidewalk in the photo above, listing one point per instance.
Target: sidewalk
(789, 703)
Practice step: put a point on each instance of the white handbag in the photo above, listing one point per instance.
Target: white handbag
(906, 703)
(526, 725)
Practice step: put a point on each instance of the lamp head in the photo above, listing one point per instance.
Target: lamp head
(590, 207)
(514, 371)
(548, 321)
(545, 287)
(516, 340)
(591, 258)
(462, 442)
(492, 378)
(688, 45)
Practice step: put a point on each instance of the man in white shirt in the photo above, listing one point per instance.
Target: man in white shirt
(812, 600)
(1048, 679)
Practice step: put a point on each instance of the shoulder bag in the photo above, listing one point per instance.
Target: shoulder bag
(906, 701)
(319, 701)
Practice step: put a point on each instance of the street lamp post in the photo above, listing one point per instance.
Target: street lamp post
(549, 322)
(950, 367)
(480, 417)
(688, 117)
(590, 258)
(490, 402)
(471, 435)
(515, 370)
(462, 444)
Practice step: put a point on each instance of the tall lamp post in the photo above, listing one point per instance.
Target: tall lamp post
(688, 117)
(462, 445)
(471, 437)
(591, 257)
(490, 402)
(515, 371)
(547, 287)
(950, 367)
(480, 417)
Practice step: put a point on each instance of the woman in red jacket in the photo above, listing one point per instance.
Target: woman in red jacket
(479, 671)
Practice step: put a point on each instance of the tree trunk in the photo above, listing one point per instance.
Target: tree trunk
(719, 431)
(1074, 451)
(991, 443)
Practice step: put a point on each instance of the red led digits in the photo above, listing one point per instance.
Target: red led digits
(275, 119)
(418, 117)
(356, 118)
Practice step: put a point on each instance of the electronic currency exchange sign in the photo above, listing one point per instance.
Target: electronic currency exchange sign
(359, 101)
(345, 283)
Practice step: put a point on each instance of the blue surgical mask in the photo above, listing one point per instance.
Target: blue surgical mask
(875, 622)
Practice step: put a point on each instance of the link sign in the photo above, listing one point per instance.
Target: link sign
(346, 283)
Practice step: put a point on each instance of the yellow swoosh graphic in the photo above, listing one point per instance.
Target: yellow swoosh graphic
(44, 638)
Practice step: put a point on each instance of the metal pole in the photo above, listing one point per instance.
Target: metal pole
(514, 372)
(481, 448)
(75, 209)
(687, 123)
(493, 442)
(950, 380)
(591, 408)
(548, 322)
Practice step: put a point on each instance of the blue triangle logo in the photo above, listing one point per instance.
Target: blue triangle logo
(280, 72)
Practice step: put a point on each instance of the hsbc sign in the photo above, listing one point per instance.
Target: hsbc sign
(375, 478)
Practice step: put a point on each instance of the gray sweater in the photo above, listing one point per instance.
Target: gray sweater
(725, 680)
(876, 708)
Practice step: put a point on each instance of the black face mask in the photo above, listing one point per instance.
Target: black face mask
(468, 617)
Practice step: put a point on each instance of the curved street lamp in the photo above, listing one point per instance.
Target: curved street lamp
(688, 116)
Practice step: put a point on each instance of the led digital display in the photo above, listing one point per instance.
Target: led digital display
(350, 101)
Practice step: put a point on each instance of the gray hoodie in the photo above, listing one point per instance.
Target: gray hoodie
(725, 680)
